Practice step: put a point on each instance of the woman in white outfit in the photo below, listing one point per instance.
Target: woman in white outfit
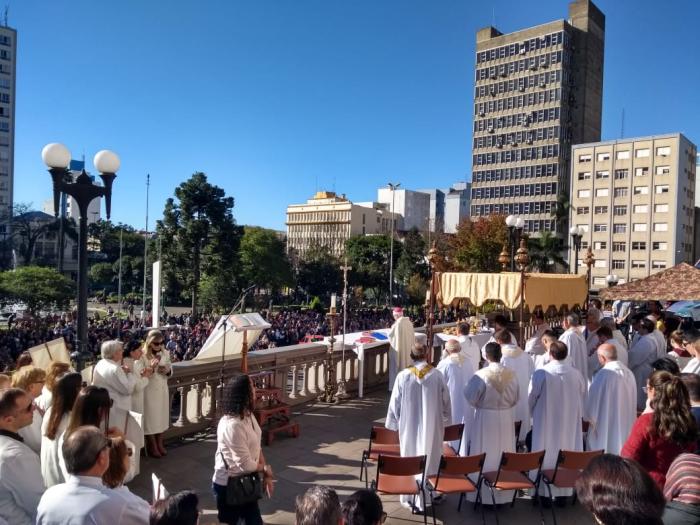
(55, 370)
(55, 422)
(134, 359)
(156, 399)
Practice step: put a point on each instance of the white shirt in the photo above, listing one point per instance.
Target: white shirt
(119, 384)
(534, 344)
(32, 433)
(239, 441)
(21, 485)
(84, 500)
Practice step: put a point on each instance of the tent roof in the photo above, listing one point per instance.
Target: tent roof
(680, 283)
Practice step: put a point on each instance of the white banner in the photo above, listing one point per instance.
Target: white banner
(156, 294)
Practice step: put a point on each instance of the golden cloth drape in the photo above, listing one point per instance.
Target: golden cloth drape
(541, 289)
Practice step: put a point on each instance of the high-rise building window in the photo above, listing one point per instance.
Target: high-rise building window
(583, 210)
(601, 157)
(641, 190)
(663, 151)
(641, 153)
(618, 264)
(584, 175)
(660, 227)
(585, 158)
(602, 174)
(602, 192)
(600, 245)
(658, 265)
(619, 210)
(661, 188)
(584, 194)
(639, 227)
(622, 155)
(641, 208)
(661, 208)
(600, 227)
(618, 246)
(639, 245)
(600, 263)
(637, 265)
(641, 172)
(619, 228)
(657, 245)
(600, 210)
(663, 170)
(621, 174)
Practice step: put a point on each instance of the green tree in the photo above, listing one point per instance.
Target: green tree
(107, 235)
(412, 259)
(476, 245)
(545, 253)
(101, 275)
(416, 289)
(37, 287)
(28, 226)
(263, 259)
(319, 273)
(199, 237)
(369, 257)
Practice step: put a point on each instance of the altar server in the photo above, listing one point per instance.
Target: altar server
(533, 345)
(641, 355)
(110, 373)
(21, 485)
(402, 339)
(556, 398)
(493, 392)
(576, 344)
(611, 405)
(523, 366)
(458, 371)
(419, 408)
(469, 347)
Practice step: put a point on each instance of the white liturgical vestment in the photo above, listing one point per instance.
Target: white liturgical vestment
(493, 392)
(641, 356)
(611, 408)
(120, 385)
(85, 500)
(137, 367)
(51, 455)
(470, 350)
(402, 339)
(522, 364)
(458, 371)
(419, 408)
(557, 394)
(578, 353)
(534, 344)
(21, 485)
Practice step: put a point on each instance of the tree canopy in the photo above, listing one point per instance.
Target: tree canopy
(263, 259)
(37, 287)
(476, 245)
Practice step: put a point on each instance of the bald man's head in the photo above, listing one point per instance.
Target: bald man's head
(452, 346)
(607, 353)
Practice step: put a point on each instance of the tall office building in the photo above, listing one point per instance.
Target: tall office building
(8, 61)
(412, 206)
(456, 205)
(537, 92)
(635, 201)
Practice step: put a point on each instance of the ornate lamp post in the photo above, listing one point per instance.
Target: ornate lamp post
(576, 235)
(503, 258)
(84, 191)
(612, 280)
(515, 229)
(393, 187)
(331, 387)
(522, 259)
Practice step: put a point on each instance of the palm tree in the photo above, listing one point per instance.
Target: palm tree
(561, 211)
(545, 252)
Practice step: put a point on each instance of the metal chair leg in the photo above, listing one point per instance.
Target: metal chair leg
(493, 500)
(432, 505)
(459, 504)
(549, 489)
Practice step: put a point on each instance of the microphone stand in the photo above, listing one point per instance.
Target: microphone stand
(224, 326)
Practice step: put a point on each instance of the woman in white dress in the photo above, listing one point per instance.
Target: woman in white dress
(116, 475)
(56, 419)
(156, 399)
(55, 370)
(134, 359)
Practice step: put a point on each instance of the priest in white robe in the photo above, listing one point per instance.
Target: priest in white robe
(611, 405)
(575, 343)
(458, 371)
(118, 379)
(469, 347)
(533, 345)
(641, 356)
(419, 408)
(605, 336)
(556, 398)
(402, 339)
(540, 360)
(593, 318)
(522, 364)
(493, 392)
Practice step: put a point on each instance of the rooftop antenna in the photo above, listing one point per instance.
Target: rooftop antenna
(622, 125)
(493, 16)
(6, 15)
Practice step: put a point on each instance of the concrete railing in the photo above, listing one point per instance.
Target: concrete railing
(299, 370)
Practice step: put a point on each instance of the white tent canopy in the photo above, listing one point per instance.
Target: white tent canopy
(230, 344)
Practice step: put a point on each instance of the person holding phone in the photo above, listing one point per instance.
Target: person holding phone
(156, 401)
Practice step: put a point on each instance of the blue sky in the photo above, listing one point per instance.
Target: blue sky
(275, 99)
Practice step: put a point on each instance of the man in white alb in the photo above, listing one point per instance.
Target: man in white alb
(402, 339)
(469, 347)
(523, 366)
(575, 343)
(419, 408)
(458, 371)
(641, 355)
(556, 398)
(493, 392)
(611, 405)
(533, 345)
(110, 373)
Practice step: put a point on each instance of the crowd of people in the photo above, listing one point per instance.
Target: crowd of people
(635, 399)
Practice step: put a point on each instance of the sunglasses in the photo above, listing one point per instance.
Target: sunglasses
(158, 343)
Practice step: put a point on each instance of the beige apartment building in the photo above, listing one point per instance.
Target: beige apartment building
(537, 92)
(634, 200)
(329, 220)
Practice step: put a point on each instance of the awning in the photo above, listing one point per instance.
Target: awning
(541, 289)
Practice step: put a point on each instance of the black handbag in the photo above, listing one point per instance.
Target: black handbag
(243, 489)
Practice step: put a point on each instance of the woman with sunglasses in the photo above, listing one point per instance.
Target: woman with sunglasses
(156, 399)
(115, 476)
(64, 394)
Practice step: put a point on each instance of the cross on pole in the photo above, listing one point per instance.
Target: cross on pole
(342, 390)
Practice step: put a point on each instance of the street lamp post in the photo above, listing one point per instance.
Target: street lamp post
(522, 259)
(612, 280)
(515, 228)
(393, 187)
(589, 261)
(576, 235)
(84, 191)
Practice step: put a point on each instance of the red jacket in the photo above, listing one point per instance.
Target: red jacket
(652, 451)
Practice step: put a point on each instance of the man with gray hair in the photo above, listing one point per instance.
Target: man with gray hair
(117, 378)
(83, 498)
(458, 370)
(593, 317)
(611, 406)
(318, 506)
(576, 344)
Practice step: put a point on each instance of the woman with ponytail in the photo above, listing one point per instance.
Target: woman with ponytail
(657, 437)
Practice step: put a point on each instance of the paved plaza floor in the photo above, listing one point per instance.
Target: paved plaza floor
(327, 453)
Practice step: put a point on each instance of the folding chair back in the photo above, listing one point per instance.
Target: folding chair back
(383, 436)
(521, 462)
(574, 460)
(454, 432)
(398, 466)
(458, 465)
(397, 475)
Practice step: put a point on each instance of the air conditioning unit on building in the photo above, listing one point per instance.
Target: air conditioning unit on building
(490, 129)
(481, 113)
